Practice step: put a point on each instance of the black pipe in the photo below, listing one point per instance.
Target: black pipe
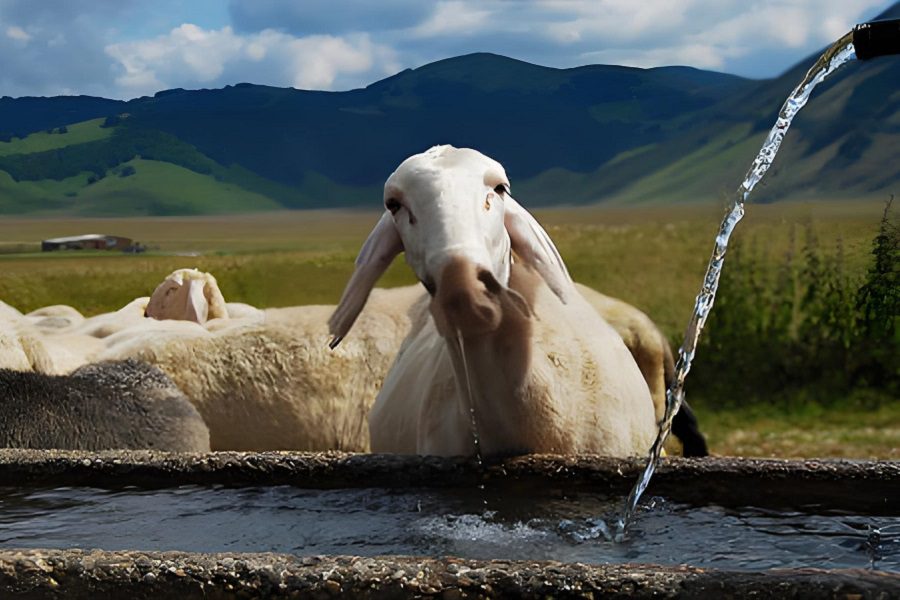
(877, 38)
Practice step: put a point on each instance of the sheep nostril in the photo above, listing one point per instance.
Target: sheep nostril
(490, 282)
(428, 282)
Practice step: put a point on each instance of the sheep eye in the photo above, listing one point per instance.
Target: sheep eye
(502, 189)
(393, 205)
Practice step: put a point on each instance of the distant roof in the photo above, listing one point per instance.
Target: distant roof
(79, 238)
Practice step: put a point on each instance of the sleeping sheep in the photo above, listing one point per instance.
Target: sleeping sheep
(109, 405)
(506, 350)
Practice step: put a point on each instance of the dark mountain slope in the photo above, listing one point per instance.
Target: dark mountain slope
(21, 116)
(531, 118)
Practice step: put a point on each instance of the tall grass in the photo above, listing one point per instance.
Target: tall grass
(802, 327)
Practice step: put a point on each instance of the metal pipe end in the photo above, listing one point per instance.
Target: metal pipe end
(877, 38)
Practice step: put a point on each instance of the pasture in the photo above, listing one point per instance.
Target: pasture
(651, 256)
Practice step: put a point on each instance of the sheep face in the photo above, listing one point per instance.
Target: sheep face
(447, 205)
(450, 210)
(187, 295)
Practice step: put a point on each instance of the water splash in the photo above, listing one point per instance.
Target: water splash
(838, 54)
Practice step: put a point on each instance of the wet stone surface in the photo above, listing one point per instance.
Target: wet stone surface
(96, 574)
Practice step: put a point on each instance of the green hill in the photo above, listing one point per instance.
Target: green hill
(566, 136)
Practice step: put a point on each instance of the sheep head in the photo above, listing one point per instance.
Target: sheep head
(450, 211)
(187, 295)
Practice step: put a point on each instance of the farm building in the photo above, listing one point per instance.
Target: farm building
(91, 241)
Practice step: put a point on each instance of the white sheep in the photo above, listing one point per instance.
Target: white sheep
(24, 348)
(653, 355)
(325, 425)
(57, 339)
(263, 381)
(259, 378)
(508, 340)
(48, 340)
(56, 317)
(13, 355)
(105, 324)
(9, 313)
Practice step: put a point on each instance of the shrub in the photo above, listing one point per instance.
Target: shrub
(804, 330)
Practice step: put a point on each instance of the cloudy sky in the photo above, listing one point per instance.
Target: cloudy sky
(129, 48)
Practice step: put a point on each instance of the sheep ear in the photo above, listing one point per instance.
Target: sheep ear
(535, 248)
(375, 256)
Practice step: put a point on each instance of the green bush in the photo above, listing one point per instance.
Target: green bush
(805, 330)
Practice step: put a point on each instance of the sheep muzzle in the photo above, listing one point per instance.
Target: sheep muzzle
(467, 300)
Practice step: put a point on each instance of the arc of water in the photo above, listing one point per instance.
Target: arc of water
(838, 54)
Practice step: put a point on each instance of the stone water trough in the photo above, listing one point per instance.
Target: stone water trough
(136, 571)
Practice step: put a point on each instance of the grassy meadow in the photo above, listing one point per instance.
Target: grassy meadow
(651, 256)
(41, 141)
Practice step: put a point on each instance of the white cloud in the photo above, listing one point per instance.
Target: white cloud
(698, 33)
(455, 17)
(14, 32)
(189, 56)
(120, 48)
(605, 20)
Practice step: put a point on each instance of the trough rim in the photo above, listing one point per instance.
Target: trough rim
(96, 574)
(863, 486)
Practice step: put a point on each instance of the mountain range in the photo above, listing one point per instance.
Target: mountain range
(566, 137)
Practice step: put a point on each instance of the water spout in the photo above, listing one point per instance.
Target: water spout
(877, 38)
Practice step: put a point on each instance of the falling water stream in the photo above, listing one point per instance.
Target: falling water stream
(880, 38)
(470, 398)
(838, 54)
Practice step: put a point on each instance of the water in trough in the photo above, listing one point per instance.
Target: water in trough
(470, 523)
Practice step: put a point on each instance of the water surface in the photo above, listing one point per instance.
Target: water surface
(481, 524)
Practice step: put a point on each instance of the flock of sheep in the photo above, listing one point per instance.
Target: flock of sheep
(500, 353)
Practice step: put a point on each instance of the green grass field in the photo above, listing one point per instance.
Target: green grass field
(79, 133)
(651, 256)
(155, 187)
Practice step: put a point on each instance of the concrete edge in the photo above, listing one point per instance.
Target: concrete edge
(859, 486)
(75, 574)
